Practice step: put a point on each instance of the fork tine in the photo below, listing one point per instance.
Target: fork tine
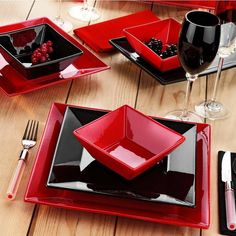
(26, 130)
(36, 131)
(32, 130)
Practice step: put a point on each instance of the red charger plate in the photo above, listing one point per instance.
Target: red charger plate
(14, 83)
(37, 192)
(97, 35)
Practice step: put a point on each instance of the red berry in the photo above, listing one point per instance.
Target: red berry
(39, 55)
(34, 60)
(37, 50)
(44, 50)
(50, 50)
(43, 45)
(43, 59)
(49, 43)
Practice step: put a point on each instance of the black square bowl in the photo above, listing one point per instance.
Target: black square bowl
(17, 47)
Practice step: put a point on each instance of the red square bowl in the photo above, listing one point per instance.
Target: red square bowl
(127, 141)
(165, 30)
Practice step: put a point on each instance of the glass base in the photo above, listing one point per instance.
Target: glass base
(84, 13)
(212, 110)
(65, 25)
(179, 115)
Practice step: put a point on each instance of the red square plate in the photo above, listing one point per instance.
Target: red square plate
(38, 192)
(127, 141)
(12, 82)
(187, 3)
(97, 35)
(165, 30)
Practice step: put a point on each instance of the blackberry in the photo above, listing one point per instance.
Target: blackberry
(164, 55)
(157, 46)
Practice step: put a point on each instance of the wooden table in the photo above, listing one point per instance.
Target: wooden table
(124, 83)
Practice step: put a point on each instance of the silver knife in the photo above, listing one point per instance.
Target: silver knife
(226, 176)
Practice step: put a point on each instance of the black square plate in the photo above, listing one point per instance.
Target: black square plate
(168, 77)
(170, 181)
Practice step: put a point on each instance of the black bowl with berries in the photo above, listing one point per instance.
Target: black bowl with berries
(156, 42)
(37, 51)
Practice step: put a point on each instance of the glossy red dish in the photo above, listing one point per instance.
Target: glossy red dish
(166, 30)
(12, 82)
(127, 141)
(37, 192)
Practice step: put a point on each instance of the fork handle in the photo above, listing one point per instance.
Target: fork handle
(23, 154)
(16, 178)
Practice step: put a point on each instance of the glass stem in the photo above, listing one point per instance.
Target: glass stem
(191, 79)
(59, 9)
(221, 62)
(86, 4)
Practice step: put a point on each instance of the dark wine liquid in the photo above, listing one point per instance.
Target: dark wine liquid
(198, 45)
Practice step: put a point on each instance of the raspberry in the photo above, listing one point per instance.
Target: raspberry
(49, 43)
(43, 59)
(50, 50)
(42, 53)
(44, 50)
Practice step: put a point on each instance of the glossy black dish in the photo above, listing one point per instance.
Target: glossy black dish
(168, 77)
(170, 181)
(18, 46)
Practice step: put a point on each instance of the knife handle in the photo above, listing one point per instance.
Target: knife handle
(230, 207)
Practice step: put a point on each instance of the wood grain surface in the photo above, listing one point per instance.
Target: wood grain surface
(124, 83)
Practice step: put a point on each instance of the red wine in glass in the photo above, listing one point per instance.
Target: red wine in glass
(197, 47)
(226, 11)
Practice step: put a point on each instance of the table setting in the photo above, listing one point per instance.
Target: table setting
(126, 118)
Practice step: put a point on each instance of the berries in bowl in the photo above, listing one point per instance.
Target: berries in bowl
(38, 50)
(42, 53)
(156, 42)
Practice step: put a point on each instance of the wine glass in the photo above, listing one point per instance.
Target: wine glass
(226, 11)
(197, 47)
(65, 25)
(84, 12)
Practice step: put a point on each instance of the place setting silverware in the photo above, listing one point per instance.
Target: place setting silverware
(28, 141)
(226, 177)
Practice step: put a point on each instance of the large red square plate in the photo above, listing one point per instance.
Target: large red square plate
(38, 192)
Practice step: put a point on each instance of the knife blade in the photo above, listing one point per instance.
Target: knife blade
(226, 176)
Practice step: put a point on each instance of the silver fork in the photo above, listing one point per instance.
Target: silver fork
(28, 141)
